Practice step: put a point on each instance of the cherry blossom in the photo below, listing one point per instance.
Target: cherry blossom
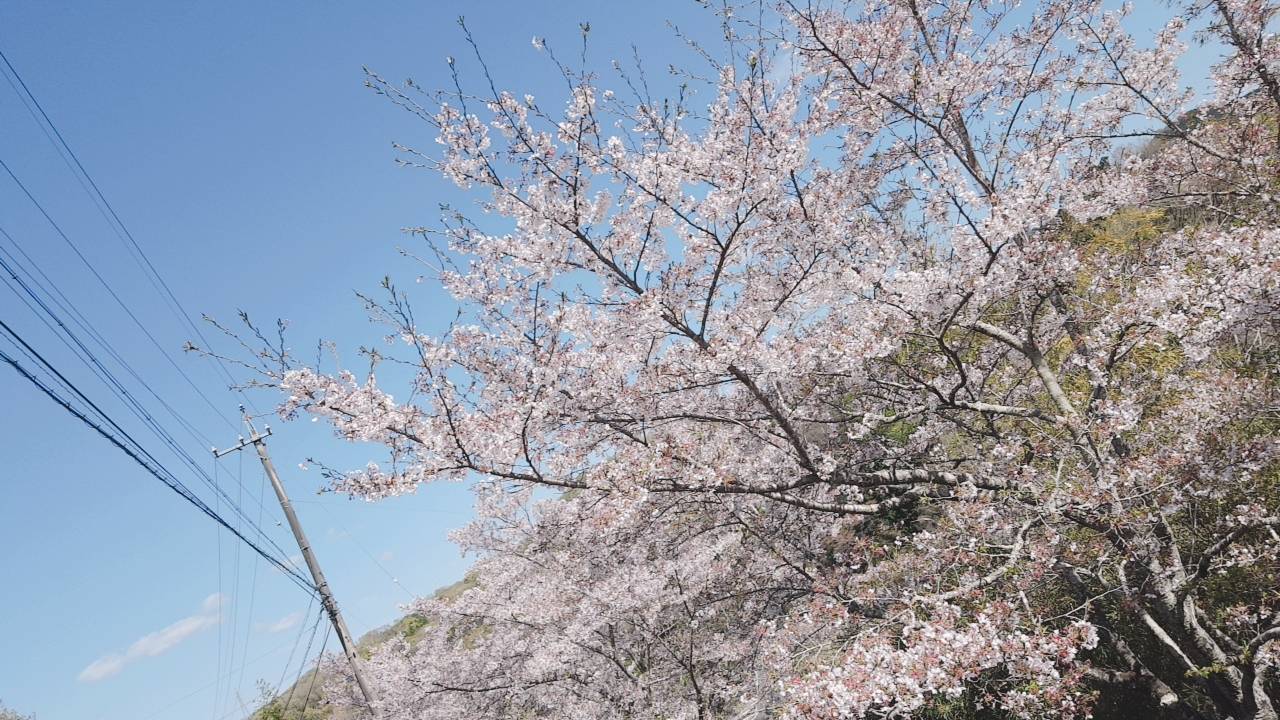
(930, 355)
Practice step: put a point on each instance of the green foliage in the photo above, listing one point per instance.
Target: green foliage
(410, 626)
(273, 707)
(449, 593)
(898, 432)
(1123, 232)
(958, 708)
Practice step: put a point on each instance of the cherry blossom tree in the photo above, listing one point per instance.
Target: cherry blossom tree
(7, 714)
(922, 357)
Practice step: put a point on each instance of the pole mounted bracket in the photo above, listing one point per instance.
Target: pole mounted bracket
(254, 440)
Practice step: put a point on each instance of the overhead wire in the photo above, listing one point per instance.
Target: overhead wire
(303, 662)
(156, 713)
(36, 111)
(104, 424)
(351, 536)
(131, 448)
(302, 627)
(136, 251)
(102, 281)
(88, 326)
(315, 674)
(253, 586)
(158, 472)
(86, 355)
(119, 301)
(235, 587)
(181, 311)
(157, 281)
(235, 598)
(217, 538)
(55, 295)
(118, 389)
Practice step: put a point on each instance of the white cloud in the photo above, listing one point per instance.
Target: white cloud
(213, 603)
(102, 668)
(285, 623)
(156, 643)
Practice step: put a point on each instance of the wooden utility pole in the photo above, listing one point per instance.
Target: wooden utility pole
(317, 576)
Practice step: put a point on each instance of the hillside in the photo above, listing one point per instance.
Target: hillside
(292, 703)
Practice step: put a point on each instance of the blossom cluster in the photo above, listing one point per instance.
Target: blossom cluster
(930, 358)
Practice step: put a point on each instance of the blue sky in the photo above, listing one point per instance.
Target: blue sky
(238, 144)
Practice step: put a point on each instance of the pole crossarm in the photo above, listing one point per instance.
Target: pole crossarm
(243, 443)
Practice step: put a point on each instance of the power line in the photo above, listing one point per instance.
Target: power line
(171, 297)
(302, 627)
(218, 680)
(106, 286)
(63, 303)
(139, 256)
(301, 630)
(128, 398)
(351, 536)
(253, 585)
(35, 111)
(186, 458)
(87, 356)
(132, 448)
(136, 455)
(119, 390)
(235, 594)
(315, 675)
(217, 538)
(317, 575)
(305, 654)
(113, 385)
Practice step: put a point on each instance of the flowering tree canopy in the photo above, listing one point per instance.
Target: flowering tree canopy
(927, 365)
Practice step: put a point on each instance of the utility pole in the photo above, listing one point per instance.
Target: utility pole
(322, 586)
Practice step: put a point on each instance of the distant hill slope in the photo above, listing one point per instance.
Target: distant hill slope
(289, 703)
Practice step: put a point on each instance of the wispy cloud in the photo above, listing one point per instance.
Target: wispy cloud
(156, 643)
(285, 623)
